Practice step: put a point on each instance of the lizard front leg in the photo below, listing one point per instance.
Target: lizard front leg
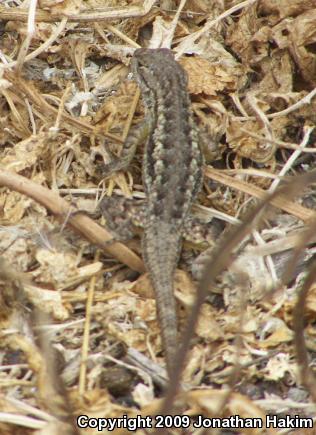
(137, 135)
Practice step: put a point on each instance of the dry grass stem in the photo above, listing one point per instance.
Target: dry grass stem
(77, 311)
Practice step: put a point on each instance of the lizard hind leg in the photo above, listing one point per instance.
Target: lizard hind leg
(124, 216)
(198, 233)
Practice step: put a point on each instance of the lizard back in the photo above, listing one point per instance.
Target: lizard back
(172, 177)
(172, 173)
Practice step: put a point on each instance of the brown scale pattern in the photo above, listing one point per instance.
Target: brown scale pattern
(172, 176)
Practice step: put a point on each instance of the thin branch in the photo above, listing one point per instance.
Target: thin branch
(29, 36)
(280, 201)
(93, 15)
(190, 39)
(307, 375)
(279, 143)
(43, 47)
(79, 222)
(304, 100)
(221, 260)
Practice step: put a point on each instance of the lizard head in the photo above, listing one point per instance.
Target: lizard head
(152, 66)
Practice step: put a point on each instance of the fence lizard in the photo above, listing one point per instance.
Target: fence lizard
(172, 176)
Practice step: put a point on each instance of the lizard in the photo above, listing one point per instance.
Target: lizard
(172, 176)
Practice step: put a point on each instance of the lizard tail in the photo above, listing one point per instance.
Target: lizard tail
(168, 323)
(161, 252)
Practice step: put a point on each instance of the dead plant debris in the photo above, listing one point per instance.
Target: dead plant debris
(78, 327)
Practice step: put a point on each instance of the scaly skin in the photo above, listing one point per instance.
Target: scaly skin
(172, 177)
